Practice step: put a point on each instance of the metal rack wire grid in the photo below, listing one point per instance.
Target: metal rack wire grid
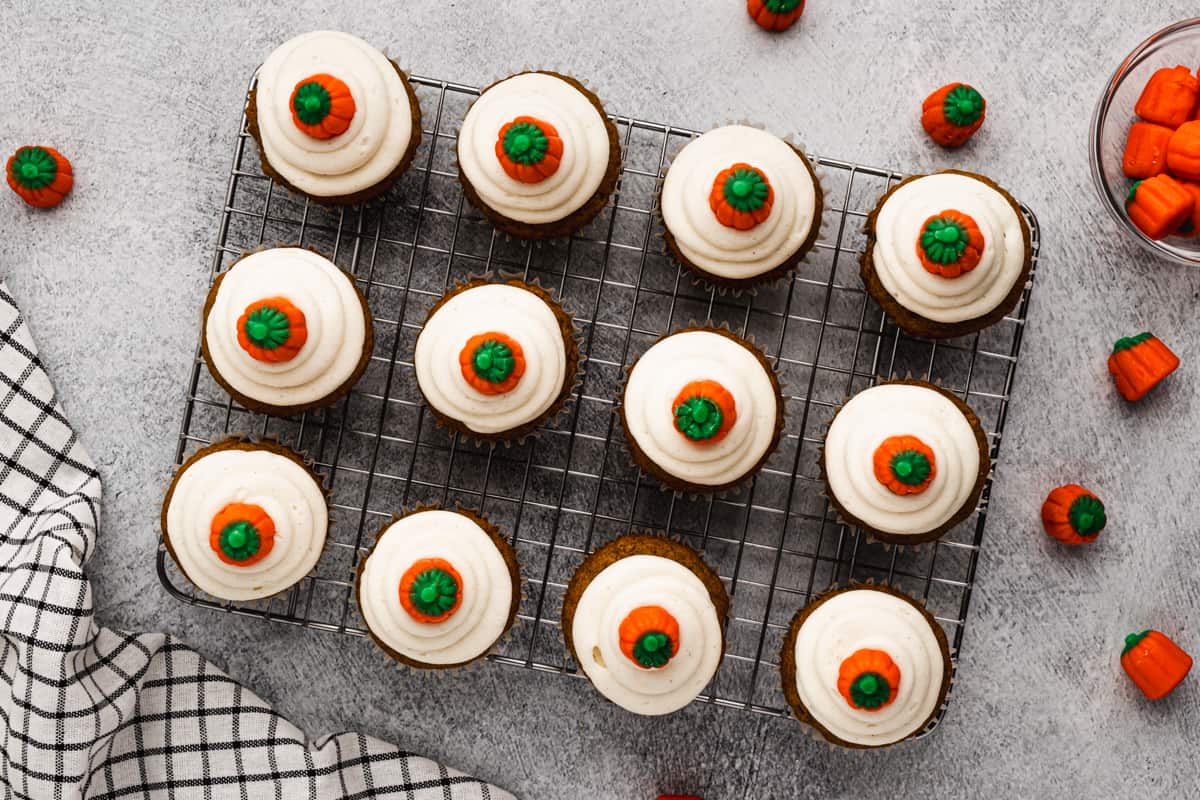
(571, 488)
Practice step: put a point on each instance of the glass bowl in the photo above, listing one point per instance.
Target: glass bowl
(1175, 44)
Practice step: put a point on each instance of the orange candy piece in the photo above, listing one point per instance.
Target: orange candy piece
(1158, 206)
(1170, 97)
(466, 362)
(297, 331)
(643, 620)
(1183, 152)
(760, 11)
(1139, 363)
(410, 576)
(341, 108)
(539, 171)
(1146, 150)
(941, 130)
(1154, 663)
(719, 395)
(243, 512)
(52, 193)
(868, 661)
(891, 447)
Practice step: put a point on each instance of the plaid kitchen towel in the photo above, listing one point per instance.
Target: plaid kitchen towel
(92, 712)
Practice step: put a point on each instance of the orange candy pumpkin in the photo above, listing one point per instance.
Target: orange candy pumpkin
(272, 330)
(775, 15)
(431, 590)
(529, 149)
(492, 362)
(322, 106)
(904, 464)
(41, 176)
(741, 197)
(953, 114)
(1170, 97)
(950, 243)
(1158, 206)
(1073, 515)
(1155, 663)
(1183, 152)
(1146, 150)
(869, 680)
(1139, 363)
(241, 534)
(649, 636)
(689, 403)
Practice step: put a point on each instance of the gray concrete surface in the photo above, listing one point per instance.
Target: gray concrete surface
(143, 98)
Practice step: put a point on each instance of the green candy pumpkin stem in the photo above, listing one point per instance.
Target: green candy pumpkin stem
(698, 418)
(910, 467)
(746, 190)
(34, 168)
(1131, 641)
(312, 103)
(1087, 515)
(240, 540)
(493, 361)
(870, 690)
(268, 327)
(944, 240)
(525, 143)
(653, 649)
(1126, 342)
(434, 592)
(963, 106)
(781, 6)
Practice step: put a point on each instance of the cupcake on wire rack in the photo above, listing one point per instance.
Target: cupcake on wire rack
(905, 461)
(439, 588)
(702, 410)
(741, 207)
(643, 617)
(333, 118)
(538, 155)
(245, 520)
(496, 359)
(866, 666)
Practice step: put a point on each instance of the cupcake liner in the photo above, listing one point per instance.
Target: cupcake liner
(820, 176)
(507, 551)
(724, 490)
(536, 427)
(814, 728)
(913, 540)
(230, 441)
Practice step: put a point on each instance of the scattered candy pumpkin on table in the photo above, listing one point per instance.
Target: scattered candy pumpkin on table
(1158, 206)
(41, 176)
(1183, 152)
(1073, 515)
(1146, 150)
(953, 113)
(1139, 363)
(1155, 663)
(1170, 97)
(775, 15)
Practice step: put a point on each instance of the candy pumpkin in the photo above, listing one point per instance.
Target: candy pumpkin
(649, 636)
(904, 464)
(492, 363)
(322, 106)
(1139, 363)
(869, 680)
(431, 590)
(1155, 663)
(704, 411)
(529, 149)
(952, 114)
(774, 15)
(241, 534)
(1146, 150)
(272, 330)
(1170, 97)
(741, 197)
(1073, 515)
(1183, 152)
(1158, 206)
(41, 176)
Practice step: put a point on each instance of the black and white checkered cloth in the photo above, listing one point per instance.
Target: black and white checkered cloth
(91, 712)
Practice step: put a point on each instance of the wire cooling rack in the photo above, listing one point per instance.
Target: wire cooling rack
(567, 491)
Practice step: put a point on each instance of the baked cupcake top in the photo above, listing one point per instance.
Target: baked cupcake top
(739, 202)
(285, 327)
(492, 357)
(948, 247)
(534, 148)
(869, 668)
(245, 521)
(334, 116)
(436, 589)
(701, 405)
(901, 458)
(647, 634)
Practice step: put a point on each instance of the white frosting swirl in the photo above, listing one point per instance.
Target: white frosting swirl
(868, 619)
(379, 134)
(894, 409)
(973, 294)
(500, 308)
(486, 590)
(725, 251)
(580, 126)
(662, 372)
(333, 317)
(621, 587)
(275, 483)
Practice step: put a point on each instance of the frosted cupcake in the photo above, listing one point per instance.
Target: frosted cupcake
(286, 331)
(701, 410)
(865, 666)
(905, 461)
(741, 207)
(538, 155)
(495, 360)
(245, 520)
(334, 119)
(439, 588)
(643, 617)
(947, 254)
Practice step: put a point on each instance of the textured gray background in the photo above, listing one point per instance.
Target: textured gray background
(143, 99)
